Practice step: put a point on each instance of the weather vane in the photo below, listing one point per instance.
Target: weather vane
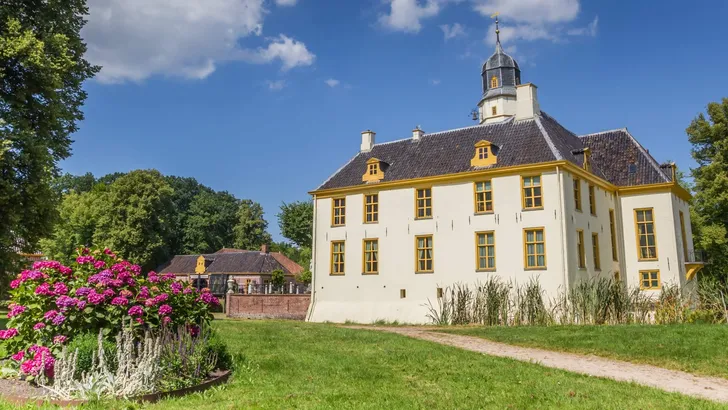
(497, 31)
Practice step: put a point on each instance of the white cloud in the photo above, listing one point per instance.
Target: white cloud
(453, 31)
(530, 11)
(135, 39)
(405, 15)
(331, 82)
(435, 82)
(286, 3)
(276, 85)
(589, 30)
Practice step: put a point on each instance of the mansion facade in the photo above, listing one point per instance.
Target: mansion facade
(518, 196)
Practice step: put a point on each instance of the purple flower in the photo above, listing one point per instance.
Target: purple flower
(144, 292)
(176, 287)
(103, 277)
(188, 290)
(83, 291)
(108, 293)
(81, 304)
(44, 289)
(208, 298)
(59, 340)
(60, 288)
(8, 334)
(49, 315)
(15, 310)
(119, 301)
(161, 297)
(165, 310)
(66, 301)
(136, 311)
(95, 298)
(39, 326)
(59, 319)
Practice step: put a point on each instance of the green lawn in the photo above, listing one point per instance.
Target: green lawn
(301, 365)
(700, 349)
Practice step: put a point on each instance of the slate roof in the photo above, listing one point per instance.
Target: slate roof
(537, 140)
(232, 261)
(623, 160)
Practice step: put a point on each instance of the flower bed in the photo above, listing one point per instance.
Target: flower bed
(100, 293)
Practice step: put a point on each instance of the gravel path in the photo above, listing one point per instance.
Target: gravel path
(711, 388)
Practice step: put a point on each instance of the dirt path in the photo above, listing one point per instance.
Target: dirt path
(711, 388)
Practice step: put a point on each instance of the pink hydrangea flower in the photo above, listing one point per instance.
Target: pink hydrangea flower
(208, 298)
(176, 287)
(166, 320)
(39, 326)
(15, 283)
(8, 333)
(119, 301)
(83, 291)
(82, 260)
(42, 361)
(95, 298)
(136, 311)
(60, 288)
(59, 339)
(66, 301)
(18, 356)
(60, 318)
(126, 293)
(49, 315)
(99, 264)
(188, 290)
(44, 289)
(139, 320)
(81, 304)
(15, 310)
(164, 310)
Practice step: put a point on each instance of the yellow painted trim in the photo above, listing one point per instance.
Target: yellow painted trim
(693, 269)
(525, 249)
(477, 254)
(684, 235)
(364, 256)
(577, 194)
(613, 234)
(331, 258)
(375, 215)
(485, 201)
(595, 250)
(523, 192)
(200, 268)
(342, 216)
(373, 164)
(490, 158)
(637, 234)
(432, 251)
(671, 187)
(581, 252)
(659, 281)
(424, 198)
(592, 201)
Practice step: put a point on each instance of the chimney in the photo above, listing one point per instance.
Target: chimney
(526, 102)
(417, 133)
(367, 140)
(264, 248)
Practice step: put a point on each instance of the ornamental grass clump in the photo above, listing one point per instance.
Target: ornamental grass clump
(51, 304)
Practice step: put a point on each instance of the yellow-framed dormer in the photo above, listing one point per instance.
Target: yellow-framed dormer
(200, 268)
(484, 154)
(374, 171)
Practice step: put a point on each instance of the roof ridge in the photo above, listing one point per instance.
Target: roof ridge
(446, 131)
(548, 139)
(646, 153)
(623, 129)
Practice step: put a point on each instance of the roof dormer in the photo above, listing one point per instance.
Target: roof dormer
(485, 154)
(201, 265)
(374, 171)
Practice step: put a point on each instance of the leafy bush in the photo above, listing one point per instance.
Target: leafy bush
(187, 359)
(51, 304)
(86, 345)
(277, 278)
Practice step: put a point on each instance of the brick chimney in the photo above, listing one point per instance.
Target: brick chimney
(264, 248)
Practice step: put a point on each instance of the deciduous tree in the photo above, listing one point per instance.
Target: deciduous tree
(296, 222)
(250, 229)
(209, 222)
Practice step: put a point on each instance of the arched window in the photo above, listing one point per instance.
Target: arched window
(493, 82)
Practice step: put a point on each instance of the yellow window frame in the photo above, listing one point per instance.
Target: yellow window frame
(580, 249)
(592, 201)
(370, 256)
(422, 259)
(613, 235)
(684, 236)
(483, 191)
(423, 202)
(577, 194)
(595, 250)
(494, 82)
(639, 235)
(371, 208)
(650, 279)
(532, 191)
(338, 211)
(488, 248)
(338, 258)
(534, 243)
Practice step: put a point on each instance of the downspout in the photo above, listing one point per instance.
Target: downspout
(313, 263)
(564, 242)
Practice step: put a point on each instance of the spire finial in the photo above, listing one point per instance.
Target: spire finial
(497, 30)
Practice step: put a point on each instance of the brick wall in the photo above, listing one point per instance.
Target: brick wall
(268, 306)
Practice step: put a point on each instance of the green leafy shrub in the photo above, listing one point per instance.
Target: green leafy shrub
(187, 358)
(87, 346)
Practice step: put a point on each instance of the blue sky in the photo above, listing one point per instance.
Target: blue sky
(266, 99)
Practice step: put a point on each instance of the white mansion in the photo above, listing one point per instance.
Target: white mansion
(518, 196)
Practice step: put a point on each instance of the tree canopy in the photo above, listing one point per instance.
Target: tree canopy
(296, 222)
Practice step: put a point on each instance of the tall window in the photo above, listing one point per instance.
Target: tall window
(338, 214)
(684, 236)
(493, 110)
(371, 256)
(613, 233)
(337, 257)
(532, 192)
(592, 201)
(645, 227)
(485, 250)
(534, 248)
(649, 279)
(423, 203)
(595, 251)
(493, 82)
(483, 197)
(371, 208)
(423, 254)
(577, 194)
(580, 248)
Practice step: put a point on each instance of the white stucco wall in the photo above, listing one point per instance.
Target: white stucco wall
(367, 298)
(505, 105)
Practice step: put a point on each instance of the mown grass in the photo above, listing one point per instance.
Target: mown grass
(301, 365)
(694, 348)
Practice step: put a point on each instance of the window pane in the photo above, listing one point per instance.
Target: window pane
(539, 236)
(487, 185)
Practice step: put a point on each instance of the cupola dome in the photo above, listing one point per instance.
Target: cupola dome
(501, 73)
